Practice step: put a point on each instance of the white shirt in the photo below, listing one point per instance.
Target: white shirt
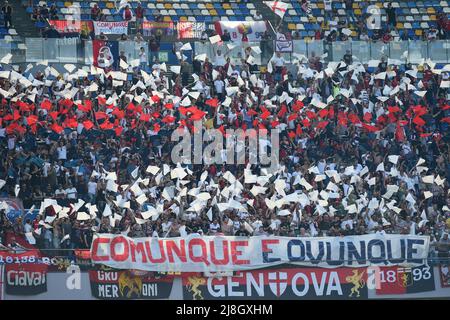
(62, 153)
(220, 61)
(327, 4)
(92, 187)
(219, 85)
(27, 228)
(278, 61)
(142, 57)
(71, 193)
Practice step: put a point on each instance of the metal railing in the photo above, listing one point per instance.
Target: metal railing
(74, 50)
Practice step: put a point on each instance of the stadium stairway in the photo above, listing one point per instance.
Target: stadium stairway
(22, 22)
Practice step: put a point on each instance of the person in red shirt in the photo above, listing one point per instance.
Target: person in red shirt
(95, 13)
(139, 16)
(127, 14)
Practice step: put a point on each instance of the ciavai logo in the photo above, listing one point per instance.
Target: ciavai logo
(214, 146)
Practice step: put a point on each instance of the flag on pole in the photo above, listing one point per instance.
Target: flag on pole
(278, 7)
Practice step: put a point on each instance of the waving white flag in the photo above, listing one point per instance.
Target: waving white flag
(278, 7)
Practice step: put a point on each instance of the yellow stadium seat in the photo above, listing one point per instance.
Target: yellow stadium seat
(226, 6)
(183, 19)
(433, 17)
(430, 10)
(209, 6)
(358, 12)
(213, 12)
(355, 6)
(167, 19)
(291, 26)
(399, 25)
(67, 4)
(354, 33)
(168, 6)
(419, 32)
(110, 5)
(320, 5)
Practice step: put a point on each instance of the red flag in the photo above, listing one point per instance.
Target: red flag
(265, 114)
(293, 117)
(291, 134)
(168, 119)
(54, 115)
(419, 121)
(446, 119)
(299, 130)
(394, 109)
(84, 108)
(32, 120)
(106, 125)
(88, 125)
(369, 127)
(16, 115)
(145, 117)
(71, 123)
(252, 112)
(282, 111)
(46, 104)
(156, 98)
(425, 135)
(274, 123)
(120, 114)
(212, 102)
(57, 128)
(306, 123)
(322, 124)
(311, 115)
(354, 118)
(156, 127)
(323, 113)
(118, 131)
(101, 101)
(297, 106)
(169, 106)
(367, 116)
(100, 115)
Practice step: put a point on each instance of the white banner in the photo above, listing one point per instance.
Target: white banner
(282, 44)
(110, 27)
(242, 30)
(220, 253)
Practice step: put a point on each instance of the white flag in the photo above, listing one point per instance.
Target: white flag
(278, 7)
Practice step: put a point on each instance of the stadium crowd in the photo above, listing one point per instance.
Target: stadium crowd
(363, 149)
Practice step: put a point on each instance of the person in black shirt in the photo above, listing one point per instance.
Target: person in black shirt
(348, 58)
(391, 16)
(382, 66)
(7, 12)
(225, 36)
(51, 33)
(44, 12)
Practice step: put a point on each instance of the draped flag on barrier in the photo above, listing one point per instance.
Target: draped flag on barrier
(118, 27)
(198, 254)
(105, 53)
(283, 284)
(190, 30)
(125, 284)
(248, 31)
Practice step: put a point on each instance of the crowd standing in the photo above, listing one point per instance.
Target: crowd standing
(363, 149)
